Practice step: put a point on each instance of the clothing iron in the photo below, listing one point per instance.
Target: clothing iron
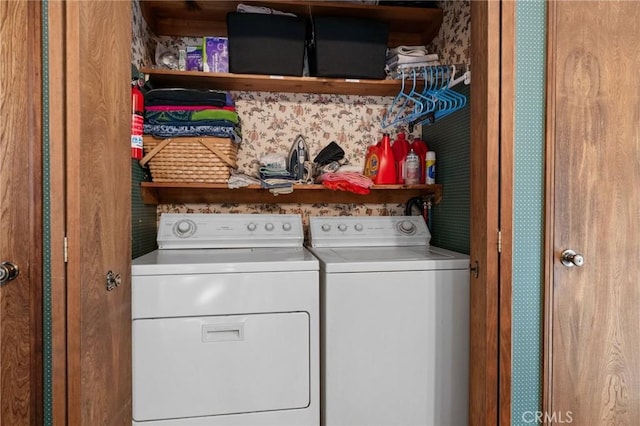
(298, 154)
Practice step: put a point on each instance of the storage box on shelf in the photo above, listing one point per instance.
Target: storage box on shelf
(266, 43)
(348, 47)
(190, 159)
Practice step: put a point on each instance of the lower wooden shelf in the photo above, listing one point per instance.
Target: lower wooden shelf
(183, 193)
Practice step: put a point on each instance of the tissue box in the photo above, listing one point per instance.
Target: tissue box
(216, 54)
(194, 58)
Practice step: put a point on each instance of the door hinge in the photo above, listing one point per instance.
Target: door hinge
(66, 249)
(499, 241)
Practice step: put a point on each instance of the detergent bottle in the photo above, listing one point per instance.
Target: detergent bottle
(400, 149)
(387, 170)
(371, 161)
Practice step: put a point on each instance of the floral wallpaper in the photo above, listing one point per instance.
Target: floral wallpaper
(271, 121)
(453, 41)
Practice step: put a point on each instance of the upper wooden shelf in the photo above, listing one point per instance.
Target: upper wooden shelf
(178, 193)
(265, 83)
(407, 25)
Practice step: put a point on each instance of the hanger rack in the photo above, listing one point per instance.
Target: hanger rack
(435, 101)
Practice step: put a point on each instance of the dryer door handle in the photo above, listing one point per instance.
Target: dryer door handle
(222, 332)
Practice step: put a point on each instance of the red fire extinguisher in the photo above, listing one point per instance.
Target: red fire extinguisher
(137, 120)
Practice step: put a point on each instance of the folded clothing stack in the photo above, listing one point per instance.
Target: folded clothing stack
(273, 172)
(408, 57)
(176, 112)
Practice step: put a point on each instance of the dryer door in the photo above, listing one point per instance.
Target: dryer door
(203, 366)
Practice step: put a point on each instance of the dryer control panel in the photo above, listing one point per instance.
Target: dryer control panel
(202, 230)
(368, 231)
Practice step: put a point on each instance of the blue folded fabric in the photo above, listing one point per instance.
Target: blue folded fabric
(164, 131)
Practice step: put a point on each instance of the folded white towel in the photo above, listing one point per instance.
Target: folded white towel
(408, 50)
(403, 59)
(245, 8)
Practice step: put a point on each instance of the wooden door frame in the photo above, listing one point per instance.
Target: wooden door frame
(549, 208)
(493, 31)
(507, 140)
(57, 159)
(492, 136)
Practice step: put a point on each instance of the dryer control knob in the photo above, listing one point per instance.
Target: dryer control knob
(358, 227)
(251, 226)
(286, 226)
(342, 227)
(268, 226)
(326, 227)
(406, 227)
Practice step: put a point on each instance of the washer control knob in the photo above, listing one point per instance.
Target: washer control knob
(326, 227)
(406, 227)
(184, 228)
(358, 227)
(286, 226)
(268, 226)
(251, 226)
(342, 227)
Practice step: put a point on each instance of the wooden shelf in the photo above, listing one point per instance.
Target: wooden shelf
(408, 26)
(180, 193)
(265, 83)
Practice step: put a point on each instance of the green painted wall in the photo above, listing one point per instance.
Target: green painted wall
(450, 138)
(143, 217)
(528, 215)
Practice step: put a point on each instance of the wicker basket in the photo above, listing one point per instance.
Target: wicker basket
(190, 159)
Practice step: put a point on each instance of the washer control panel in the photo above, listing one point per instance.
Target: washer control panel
(203, 230)
(367, 231)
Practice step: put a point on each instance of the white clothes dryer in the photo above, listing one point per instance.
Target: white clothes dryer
(394, 323)
(225, 323)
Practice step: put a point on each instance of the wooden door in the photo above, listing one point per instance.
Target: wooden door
(593, 335)
(20, 213)
(92, 89)
(492, 82)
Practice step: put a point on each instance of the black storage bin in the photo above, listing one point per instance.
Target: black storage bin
(266, 44)
(347, 47)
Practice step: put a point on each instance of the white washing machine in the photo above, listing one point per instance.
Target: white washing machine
(225, 323)
(394, 323)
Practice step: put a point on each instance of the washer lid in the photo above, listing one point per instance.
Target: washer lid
(215, 261)
(388, 259)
